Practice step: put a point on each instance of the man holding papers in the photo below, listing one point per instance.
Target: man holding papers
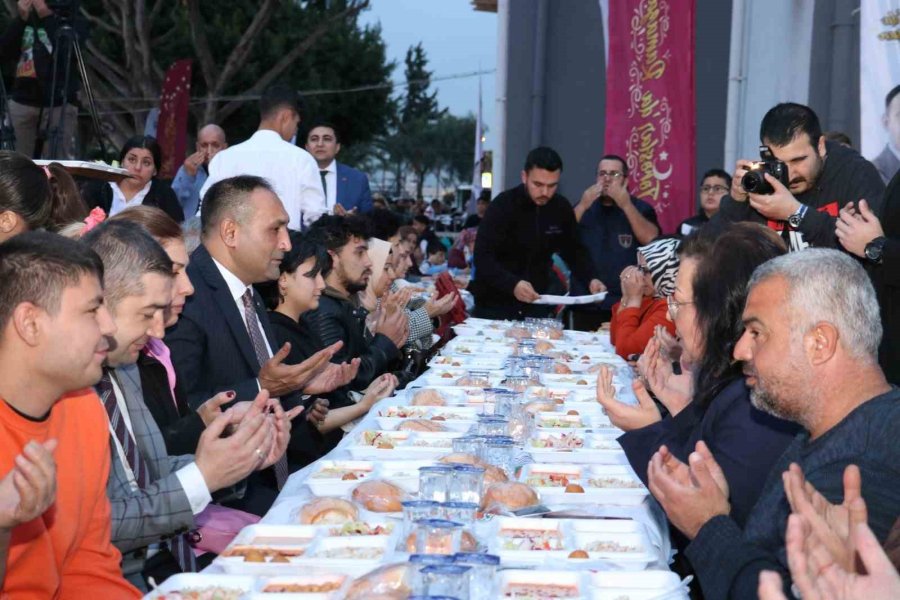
(522, 229)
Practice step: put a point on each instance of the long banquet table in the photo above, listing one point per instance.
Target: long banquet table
(639, 572)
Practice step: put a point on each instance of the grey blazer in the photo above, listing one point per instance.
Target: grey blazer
(162, 510)
(887, 164)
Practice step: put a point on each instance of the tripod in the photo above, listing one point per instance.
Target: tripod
(66, 42)
(7, 133)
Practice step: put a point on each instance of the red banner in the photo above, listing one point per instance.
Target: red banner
(650, 102)
(171, 130)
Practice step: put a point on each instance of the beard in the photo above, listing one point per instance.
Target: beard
(354, 287)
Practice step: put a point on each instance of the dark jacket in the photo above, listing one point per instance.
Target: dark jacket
(886, 278)
(305, 343)
(180, 424)
(337, 318)
(516, 241)
(212, 352)
(98, 193)
(846, 177)
(728, 559)
(34, 74)
(746, 442)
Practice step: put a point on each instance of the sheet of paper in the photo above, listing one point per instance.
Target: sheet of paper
(589, 299)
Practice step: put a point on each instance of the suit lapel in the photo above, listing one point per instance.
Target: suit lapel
(146, 434)
(222, 296)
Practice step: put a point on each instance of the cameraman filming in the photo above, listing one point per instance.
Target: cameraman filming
(30, 38)
(822, 177)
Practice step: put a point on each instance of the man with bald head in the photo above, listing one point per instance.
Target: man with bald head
(193, 173)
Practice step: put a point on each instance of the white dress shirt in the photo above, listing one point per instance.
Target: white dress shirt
(237, 289)
(330, 185)
(119, 203)
(291, 170)
(189, 476)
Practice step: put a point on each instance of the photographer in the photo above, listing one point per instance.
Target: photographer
(30, 38)
(822, 176)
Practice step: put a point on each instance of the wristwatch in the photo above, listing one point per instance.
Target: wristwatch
(874, 249)
(795, 219)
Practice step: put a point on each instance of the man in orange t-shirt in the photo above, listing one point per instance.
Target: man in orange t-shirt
(54, 453)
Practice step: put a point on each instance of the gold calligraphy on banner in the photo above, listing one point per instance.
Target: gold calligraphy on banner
(890, 19)
(649, 111)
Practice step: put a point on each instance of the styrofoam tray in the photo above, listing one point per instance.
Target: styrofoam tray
(582, 475)
(184, 581)
(319, 578)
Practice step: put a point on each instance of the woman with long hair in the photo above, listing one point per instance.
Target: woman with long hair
(706, 307)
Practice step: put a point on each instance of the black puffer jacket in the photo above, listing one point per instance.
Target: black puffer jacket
(337, 318)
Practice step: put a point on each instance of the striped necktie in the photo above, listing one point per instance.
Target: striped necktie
(262, 355)
(179, 545)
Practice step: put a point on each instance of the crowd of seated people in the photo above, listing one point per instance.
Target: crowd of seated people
(149, 391)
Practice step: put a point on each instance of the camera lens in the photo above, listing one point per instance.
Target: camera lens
(753, 181)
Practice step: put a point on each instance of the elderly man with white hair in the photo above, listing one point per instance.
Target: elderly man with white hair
(810, 354)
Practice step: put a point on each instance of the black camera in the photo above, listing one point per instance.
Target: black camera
(754, 180)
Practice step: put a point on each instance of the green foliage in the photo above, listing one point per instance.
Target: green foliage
(347, 56)
(424, 138)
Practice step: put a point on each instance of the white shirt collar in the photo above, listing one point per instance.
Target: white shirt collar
(331, 168)
(235, 285)
(894, 150)
(263, 134)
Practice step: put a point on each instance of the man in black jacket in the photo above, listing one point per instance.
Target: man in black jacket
(30, 38)
(877, 240)
(339, 317)
(521, 230)
(823, 176)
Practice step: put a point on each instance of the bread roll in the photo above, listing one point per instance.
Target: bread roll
(328, 510)
(379, 496)
(421, 425)
(428, 398)
(461, 458)
(390, 582)
(507, 497)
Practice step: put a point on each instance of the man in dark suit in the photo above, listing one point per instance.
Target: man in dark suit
(346, 188)
(888, 162)
(154, 495)
(223, 340)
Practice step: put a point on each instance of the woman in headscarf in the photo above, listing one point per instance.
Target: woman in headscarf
(645, 287)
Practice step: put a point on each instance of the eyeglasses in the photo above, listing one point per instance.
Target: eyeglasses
(674, 304)
(716, 189)
(610, 174)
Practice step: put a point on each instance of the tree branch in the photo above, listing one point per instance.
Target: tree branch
(288, 59)
(99, 22)
(201, 44)
(104, 62)
(244, 46)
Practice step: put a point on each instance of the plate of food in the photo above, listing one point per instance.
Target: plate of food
(337, 477)
(563, 484)
(200, 586)
(528, 541)
(302, 587)
(376, 443)
(260, 549)
(541, 584)
(575, 447)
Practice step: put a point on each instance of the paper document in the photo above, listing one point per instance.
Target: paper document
(589, 299)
